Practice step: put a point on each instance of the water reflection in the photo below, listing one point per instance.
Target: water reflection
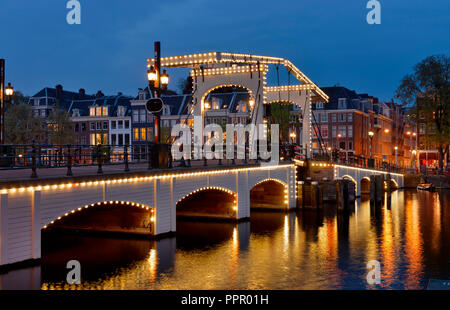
(408, 234)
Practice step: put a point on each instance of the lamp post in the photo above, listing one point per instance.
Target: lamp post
(164, 80)
(339, 146)
(293, 136)
(2, 99)
(371, 134)
(414, 134)
(157, 82)
(7, 91)
(396, 148)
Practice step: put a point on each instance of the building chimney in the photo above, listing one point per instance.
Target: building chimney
(99, 94)
(119, 93)
(81, 93)
(59, 91)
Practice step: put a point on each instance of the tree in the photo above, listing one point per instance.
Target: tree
(281, 116)
(427, 91)
(21, 127)
(60, 127)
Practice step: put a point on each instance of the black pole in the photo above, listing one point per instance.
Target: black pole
(33, 162)
(126, 158)
(2, 100)
(157, 86)
(69, 162)
(99, 160)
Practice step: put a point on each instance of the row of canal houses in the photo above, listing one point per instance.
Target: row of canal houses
(123, 120)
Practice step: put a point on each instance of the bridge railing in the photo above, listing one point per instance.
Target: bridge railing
(34, 157)
(352, 161)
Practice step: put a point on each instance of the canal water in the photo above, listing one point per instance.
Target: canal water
(409, 236)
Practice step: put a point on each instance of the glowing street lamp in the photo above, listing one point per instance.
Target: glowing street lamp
(293, 136)
(371, 134)
(386, 130)
(9, 91)
(251, 102)
(164, 79)
(395, 148)
(152, 76)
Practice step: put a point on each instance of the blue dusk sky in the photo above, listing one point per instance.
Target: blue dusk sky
(329, 40)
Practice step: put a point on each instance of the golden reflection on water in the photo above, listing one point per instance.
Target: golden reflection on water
(413, 244)
(303, 250)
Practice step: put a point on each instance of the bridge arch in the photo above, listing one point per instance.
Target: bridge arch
(394, 184)
(208, 202)
(270, 193)
(114, 216)
(207, 92)
(365, 186)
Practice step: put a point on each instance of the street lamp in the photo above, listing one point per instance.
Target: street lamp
(251, 102)
(164, 79)
(395, 148)
(371, 134)
(9, 91)
(293, 135)
(386, 130)
(152, 76)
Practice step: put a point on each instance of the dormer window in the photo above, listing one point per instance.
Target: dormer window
(342, 103)
(98, 111)
(166, 110)
(141, 95)
(216, 102)
(319, 105)
(76, 113)
(121, 111)
(242, 106)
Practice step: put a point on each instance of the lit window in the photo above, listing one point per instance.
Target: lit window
(143, 134)
(105, 111)
(136, 134)
(92, 111)
(98, 111)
